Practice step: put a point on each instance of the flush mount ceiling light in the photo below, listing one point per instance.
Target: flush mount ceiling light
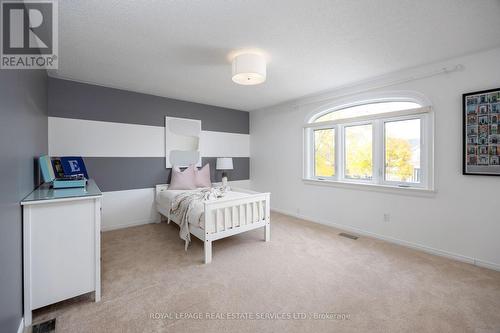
(249, 69)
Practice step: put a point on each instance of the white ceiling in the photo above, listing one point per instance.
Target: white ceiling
(179, 48)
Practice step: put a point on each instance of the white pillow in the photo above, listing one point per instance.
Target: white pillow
(202, 176)
(183, 180)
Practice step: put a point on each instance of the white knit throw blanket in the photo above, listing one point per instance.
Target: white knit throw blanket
(188, 207)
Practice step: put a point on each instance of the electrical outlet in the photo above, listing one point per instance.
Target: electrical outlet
(387, 217)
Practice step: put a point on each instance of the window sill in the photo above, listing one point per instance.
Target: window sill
(413, 191)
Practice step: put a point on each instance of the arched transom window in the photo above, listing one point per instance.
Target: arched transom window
(386, 143)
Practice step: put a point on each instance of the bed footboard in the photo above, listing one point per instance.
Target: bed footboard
(230, 217)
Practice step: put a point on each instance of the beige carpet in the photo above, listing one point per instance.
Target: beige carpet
(306, 270)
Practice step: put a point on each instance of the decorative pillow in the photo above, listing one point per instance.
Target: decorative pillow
(202, 176)
(183, 180)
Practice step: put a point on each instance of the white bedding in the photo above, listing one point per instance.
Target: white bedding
(165, 199)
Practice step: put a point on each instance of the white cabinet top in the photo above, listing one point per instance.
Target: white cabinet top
(45, 193)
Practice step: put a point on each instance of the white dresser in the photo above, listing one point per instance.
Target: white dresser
(61, 245)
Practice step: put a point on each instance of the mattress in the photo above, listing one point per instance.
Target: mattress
(165, 199)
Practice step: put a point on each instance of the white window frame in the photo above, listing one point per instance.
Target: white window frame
(312, 157)
(424, 166)
(377, 121)
(344, 150)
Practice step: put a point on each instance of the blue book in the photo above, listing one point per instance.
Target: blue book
(46, 167)
(73, 165)
(69, 183)
(57, 166)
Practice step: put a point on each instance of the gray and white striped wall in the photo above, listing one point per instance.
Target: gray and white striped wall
(121, 135)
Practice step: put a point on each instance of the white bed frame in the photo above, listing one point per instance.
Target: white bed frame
(244, 208)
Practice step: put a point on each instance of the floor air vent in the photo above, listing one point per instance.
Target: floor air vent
(48, 326)
(343, 234)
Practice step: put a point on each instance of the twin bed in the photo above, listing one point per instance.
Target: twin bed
(239, 210)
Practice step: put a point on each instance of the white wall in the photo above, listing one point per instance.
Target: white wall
(111, 139)
(122, 209)
(460, 220)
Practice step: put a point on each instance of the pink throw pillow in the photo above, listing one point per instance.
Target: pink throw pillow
(183, 180)
(202, 176)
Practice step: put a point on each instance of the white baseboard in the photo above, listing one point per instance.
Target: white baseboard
(127, 225)
(487, 264)
(20, 329)
(423, 248)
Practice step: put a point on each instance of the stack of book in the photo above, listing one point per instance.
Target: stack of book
(63, 172)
